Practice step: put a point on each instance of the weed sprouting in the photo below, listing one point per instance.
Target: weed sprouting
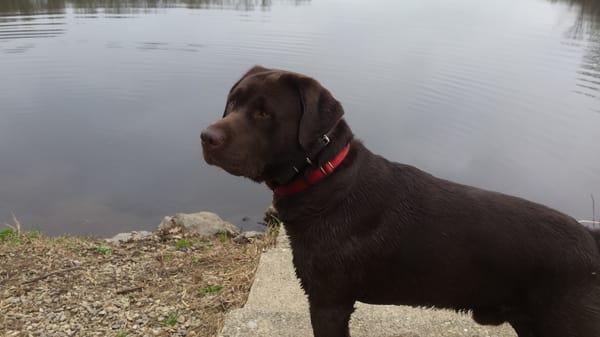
(209, 290)
(183, 244)
(104, 250)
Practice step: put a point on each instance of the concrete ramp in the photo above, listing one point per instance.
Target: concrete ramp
(277, 307)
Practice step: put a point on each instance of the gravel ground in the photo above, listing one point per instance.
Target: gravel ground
(163, 285)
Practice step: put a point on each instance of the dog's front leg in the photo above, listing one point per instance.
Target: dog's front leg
(331, 320)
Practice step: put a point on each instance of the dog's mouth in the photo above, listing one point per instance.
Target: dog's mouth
(235, 166)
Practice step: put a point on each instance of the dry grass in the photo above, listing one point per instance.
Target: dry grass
(70, 286)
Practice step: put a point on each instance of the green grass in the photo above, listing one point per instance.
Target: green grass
(182, 244)
(171, 320)
(104, 250)
(6, 234)
(121, 334)
(223, 237)
(9, 235)
(209, 290)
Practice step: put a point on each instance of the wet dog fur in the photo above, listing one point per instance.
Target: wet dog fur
(382, 232)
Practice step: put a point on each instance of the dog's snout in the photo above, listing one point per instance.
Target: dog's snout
(212, 137)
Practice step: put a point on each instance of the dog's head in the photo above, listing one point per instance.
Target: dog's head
(271, 116)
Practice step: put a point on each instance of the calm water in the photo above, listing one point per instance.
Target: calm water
(102, 102)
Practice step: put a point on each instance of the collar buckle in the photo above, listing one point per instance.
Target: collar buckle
(312, 177)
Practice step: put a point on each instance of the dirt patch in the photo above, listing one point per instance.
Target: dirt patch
(159, 286)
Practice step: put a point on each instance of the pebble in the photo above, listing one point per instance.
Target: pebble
(14, 300)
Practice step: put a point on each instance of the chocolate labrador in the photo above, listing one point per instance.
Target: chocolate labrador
(363, 228)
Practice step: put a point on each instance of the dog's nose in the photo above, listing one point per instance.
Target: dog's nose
(212, 137)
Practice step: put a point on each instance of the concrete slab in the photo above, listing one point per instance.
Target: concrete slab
(365, 322)
(276, 287)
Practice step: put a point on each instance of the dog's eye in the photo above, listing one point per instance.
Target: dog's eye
(261, 114)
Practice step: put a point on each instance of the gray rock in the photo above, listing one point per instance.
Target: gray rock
(129, 236)
(202, 223)
(246, 237)
(241, 239)
(253, 234)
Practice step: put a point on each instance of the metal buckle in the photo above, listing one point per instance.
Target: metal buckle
(323, 168)
(324, 139)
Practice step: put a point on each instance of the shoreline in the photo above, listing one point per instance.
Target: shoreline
(173, 281)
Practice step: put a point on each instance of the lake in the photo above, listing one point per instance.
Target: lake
(102, 102)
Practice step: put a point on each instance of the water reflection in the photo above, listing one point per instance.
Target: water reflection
(586, 29)
(99, 126)
(30, 7)
(27, 19)
(30, 19)
(588, 17)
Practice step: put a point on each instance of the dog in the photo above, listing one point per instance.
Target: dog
(363, 228)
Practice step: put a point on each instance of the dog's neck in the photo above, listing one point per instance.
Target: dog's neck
(301, 207)
(330, 190)
(303, 165)
(313, 176)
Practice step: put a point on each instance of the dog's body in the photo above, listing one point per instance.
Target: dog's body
(385, 233)
(397, 235)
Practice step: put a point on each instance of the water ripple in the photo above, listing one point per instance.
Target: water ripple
(102, 100)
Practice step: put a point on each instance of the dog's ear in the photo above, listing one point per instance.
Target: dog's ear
(320, 110)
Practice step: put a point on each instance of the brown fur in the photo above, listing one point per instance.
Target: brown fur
(381, 232)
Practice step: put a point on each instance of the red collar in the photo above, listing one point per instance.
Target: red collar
(313, 177)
